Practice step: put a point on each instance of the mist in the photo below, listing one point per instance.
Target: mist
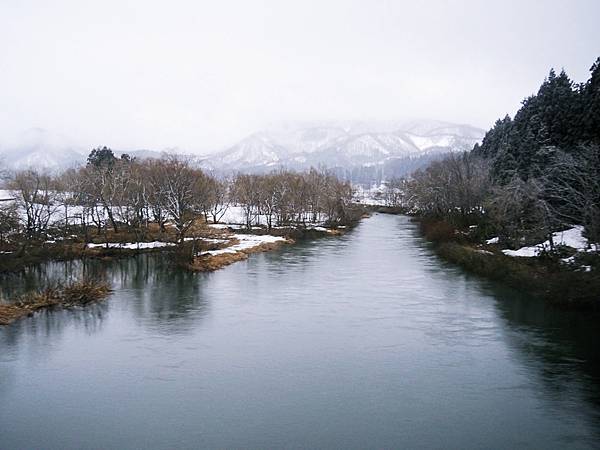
(197, 76)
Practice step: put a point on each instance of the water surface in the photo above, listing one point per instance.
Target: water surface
(363, 341)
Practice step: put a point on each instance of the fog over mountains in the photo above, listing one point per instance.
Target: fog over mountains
(361, 151)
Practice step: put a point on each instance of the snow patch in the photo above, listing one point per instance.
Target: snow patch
(133, 245)
(247, 242)
(573, 237)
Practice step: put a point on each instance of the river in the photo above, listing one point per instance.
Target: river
(362, 341)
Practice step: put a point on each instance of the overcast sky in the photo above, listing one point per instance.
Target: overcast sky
(200, 75)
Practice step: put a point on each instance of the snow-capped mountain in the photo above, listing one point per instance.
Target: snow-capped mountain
(38, 148)
(345, 145)
(360, 151)
(255, 150)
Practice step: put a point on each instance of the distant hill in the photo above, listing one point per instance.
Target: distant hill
(373, 150)
(38, 148)
(363, 152)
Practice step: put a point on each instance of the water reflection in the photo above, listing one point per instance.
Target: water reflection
(558, 345)
(368, 340)
(159, 296)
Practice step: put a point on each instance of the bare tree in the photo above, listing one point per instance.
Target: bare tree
(454, 188)
(519, 212)
(246, 193)
(218, 199)
(572, 189)
(183, 190)
(35, 195)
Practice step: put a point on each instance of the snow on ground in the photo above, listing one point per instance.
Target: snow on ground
(132, 245)
(147, 245)
(493, 240)
(322, 229)
(247, 242)
(573, 237)
(224, 226)
(209, 240)
(234, 214)
(6, 195)
(373, 195)
(524, 252)
(371, 201)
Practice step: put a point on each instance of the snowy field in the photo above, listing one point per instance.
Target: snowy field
(6, 195)
(372, 196)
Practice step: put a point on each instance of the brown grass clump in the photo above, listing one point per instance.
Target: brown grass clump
(209, 263)
(438, 231)
(78, 293)
(266, 247)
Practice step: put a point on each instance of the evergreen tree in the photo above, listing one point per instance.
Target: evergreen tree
(101, 157)
(591, 106)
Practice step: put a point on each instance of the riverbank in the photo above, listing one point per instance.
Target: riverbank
(211, 247)
(78, 293)
(206, 247)
(546, 276)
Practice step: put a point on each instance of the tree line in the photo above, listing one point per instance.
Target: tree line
(533, 174)
(125, 194)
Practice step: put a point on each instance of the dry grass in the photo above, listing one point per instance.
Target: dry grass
(78, 293)
(210, 263)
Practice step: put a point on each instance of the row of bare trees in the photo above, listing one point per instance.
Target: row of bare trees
(288, 198)
(454, 187)
(124, 194)
(113, 192)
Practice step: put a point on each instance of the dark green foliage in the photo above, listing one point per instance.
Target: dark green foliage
(544, 177)
(102, 157)
(545, 162)
(590, 120)
(561, 116)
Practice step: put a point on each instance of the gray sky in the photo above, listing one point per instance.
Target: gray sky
(199, 75)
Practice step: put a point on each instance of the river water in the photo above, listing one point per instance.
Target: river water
(361, 341)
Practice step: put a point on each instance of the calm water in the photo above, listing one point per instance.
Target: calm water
(364, 341)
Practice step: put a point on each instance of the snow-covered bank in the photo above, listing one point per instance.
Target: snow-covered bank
(246, 242)
(132, 245)
(573, 237)
(154, 244)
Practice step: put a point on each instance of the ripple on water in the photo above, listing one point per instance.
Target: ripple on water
(358, 342)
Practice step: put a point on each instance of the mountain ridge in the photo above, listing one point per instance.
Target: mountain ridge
(372, 149)
(345, 147)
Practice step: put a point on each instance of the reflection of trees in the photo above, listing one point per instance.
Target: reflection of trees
(159, 295)
(167, 299)
(564, 342)
(558, 347)
(39, 276)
